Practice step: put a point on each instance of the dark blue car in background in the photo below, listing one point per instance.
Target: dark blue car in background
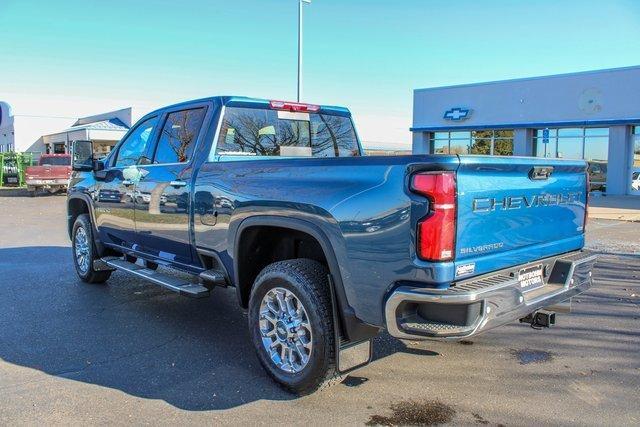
(326, 247)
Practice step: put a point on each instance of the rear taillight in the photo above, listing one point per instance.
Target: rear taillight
(294, 106)
(437, 231)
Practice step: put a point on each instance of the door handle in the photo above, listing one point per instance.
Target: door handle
(127, 182)
(178, 183)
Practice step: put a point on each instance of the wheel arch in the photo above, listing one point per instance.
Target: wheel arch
(353, 329)
(78, 204)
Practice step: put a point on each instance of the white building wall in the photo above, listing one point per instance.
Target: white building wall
(580, 97)
(105, 135)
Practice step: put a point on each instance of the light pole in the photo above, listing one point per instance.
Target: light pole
(300, 3)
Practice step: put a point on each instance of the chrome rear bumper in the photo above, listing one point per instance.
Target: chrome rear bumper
(476, 305)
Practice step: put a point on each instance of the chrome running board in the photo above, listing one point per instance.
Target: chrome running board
(175, 284)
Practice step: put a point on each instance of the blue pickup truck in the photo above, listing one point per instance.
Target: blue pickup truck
(324, 246)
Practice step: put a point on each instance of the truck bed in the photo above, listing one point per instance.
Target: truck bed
(369, 215)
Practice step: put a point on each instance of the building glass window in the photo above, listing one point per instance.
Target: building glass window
(440, 146)
(481, 142)
(478, 142)
(590, 144)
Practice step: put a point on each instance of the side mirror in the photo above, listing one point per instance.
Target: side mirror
(82, 156)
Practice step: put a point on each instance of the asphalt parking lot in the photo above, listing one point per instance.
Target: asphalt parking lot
(132, 353)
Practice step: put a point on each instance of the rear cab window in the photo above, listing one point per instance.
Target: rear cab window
(267, 132)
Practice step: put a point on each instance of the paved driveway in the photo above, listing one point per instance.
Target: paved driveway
(130, 352)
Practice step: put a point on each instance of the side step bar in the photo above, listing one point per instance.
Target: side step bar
(175, 284)
(214, 277)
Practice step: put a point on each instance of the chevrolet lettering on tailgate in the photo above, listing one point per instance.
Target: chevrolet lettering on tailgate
(489, 204)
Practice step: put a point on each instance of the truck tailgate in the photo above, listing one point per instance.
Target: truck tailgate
(509, 213)
(48, 172)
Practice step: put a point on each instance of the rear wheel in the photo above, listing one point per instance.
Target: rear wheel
(84, 252)
(291, 325)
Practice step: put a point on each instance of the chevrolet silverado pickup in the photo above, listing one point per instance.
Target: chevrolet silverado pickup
(326, 247)
(52, 173)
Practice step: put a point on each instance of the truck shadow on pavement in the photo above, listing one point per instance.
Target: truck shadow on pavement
(132, 336)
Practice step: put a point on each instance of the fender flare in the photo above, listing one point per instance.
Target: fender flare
(353, 328)
(86, 200)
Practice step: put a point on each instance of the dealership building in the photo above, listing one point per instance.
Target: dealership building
(592, 115)
(55, 135)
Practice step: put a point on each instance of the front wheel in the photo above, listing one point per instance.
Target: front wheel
(291, 325)
(84, 252)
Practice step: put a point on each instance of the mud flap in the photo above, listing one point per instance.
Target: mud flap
(354, 356)
(349, 356)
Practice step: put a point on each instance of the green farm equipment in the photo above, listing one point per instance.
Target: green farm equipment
(12, 168)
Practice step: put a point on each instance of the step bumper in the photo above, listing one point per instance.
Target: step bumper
(473, 306)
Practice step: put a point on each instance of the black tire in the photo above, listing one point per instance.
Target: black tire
(307, 279)
(88, 274)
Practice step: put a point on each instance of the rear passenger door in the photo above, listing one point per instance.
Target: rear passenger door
(163, 194)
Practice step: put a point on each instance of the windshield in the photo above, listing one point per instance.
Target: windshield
(262, 132)
(56, 161)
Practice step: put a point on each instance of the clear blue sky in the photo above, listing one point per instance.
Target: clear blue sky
(367, 55)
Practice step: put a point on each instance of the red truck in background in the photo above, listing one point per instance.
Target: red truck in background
(52, 173)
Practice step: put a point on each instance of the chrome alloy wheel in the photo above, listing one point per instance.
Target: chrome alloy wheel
(285, 330)
(81, 247)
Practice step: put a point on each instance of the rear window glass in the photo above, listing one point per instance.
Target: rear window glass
(55, 161)
(262, 132)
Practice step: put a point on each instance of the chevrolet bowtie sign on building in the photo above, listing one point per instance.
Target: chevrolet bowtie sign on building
(457, 114)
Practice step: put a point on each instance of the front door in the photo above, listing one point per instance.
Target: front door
(162, 196)
(114, 199)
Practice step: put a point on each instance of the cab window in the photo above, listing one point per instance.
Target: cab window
(179, 135)
(262, 132)
(136, 144)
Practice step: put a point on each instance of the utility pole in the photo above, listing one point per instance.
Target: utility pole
(300, 4)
